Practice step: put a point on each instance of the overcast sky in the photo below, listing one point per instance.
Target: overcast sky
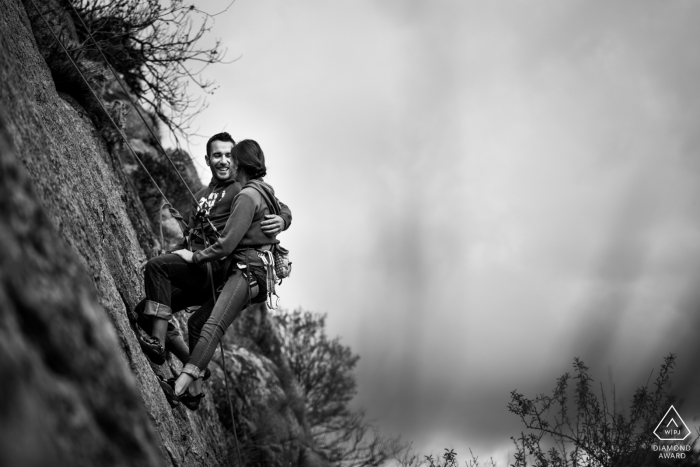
(481, 192)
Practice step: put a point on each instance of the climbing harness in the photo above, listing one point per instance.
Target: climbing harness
(276, 259)
(200, 215)
(172, 210)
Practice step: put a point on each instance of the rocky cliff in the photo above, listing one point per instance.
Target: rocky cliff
(78, 222)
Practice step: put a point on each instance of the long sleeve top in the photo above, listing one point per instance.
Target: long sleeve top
(242, 228)
(217, 200)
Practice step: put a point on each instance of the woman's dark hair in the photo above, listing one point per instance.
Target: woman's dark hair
(250, 158)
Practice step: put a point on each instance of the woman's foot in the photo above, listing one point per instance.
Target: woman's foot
(182, 383)
(181, 388)
(168, 387)
(191, 401)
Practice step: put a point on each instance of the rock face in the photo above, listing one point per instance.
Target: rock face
(77, 223)
(67, 397)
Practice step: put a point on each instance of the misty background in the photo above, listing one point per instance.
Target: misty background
(481, 192)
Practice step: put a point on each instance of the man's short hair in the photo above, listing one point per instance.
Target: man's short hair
(219, 137)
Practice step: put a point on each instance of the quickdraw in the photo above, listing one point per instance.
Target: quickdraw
(268, 259)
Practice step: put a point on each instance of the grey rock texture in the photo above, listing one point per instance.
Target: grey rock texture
(79, 219)
(67, 397)
(98, 221)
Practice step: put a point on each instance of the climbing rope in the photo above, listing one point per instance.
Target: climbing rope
(172, 210)
(109, 116)
(126, 92)
(121, 133)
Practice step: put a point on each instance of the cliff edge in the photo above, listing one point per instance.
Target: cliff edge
(78, 222)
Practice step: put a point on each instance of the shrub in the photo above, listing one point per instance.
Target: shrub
(594, 433)
(598, 433)
(324, 368)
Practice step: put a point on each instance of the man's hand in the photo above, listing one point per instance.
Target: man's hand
(184, 254)
(272, 225)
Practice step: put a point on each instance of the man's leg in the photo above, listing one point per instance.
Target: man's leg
(174, 342)
(181, 299)
(196, 322)
(163, 274)
(171, 285)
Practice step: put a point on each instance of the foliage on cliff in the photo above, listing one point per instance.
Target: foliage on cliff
(324, 369)
(156, 48)
(593, 431)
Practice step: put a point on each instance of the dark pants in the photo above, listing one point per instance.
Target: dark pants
(173, 284)
(207, 325)
(174, 342)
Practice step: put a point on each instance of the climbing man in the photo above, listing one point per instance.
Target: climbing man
(171, 283)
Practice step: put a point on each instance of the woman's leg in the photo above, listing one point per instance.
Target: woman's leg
(234, 297)
(194, 328)
(180, 300)
(197, 321)
(195, 388)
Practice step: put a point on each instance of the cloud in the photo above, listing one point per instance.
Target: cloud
(482, 191)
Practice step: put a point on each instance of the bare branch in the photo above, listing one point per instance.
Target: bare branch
(150, 45)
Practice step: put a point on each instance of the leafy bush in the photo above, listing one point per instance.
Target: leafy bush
(598, 433)
(324, 368)
(594, 433)
(449, 459)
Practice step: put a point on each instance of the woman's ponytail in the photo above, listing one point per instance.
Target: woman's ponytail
(250, 158)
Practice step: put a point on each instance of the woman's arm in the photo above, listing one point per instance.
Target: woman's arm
(236, 227)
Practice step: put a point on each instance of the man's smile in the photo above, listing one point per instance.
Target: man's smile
(223, 171)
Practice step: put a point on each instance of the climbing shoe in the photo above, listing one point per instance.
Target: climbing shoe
(190, 401)
(152, 348)
(168, 387)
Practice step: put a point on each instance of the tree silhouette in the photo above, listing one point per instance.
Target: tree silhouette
(324, 368)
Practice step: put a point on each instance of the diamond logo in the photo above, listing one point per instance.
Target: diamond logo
(672, 427)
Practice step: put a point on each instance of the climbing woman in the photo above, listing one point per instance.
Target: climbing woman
(246, 283)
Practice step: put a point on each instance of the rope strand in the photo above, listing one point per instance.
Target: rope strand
(126, 141)
(121, 133)
(116, 76)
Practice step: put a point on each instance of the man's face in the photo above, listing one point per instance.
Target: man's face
(219, 160)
